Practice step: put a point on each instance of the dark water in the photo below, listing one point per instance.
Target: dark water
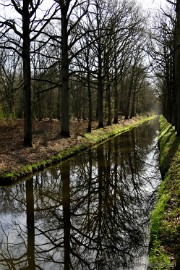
(90, 212)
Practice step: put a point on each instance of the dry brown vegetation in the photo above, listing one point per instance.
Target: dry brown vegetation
(46, 141)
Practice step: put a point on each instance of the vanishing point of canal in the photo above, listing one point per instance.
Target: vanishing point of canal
(89, 212)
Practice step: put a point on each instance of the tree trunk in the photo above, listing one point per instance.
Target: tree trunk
(133, 106)
(128, 101)
(109, 102)
(39, 106)
(100, 91)
(115, 94)
(89, 102)
(177, 66)
(27, 75)
(65, 131)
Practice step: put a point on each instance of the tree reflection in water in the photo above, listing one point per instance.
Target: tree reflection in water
(90, 212)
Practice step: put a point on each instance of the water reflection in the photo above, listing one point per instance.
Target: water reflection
(90, 212)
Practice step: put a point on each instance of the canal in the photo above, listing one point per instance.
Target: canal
(89, 212)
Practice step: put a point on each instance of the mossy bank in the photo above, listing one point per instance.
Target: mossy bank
(165, 219)
(96, 137)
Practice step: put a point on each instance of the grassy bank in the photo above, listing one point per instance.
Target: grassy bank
(165, 219)
(89, 139)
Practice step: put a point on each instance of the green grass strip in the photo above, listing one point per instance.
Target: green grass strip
(94, 138)
(165, 221)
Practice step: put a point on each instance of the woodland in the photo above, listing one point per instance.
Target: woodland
(73, 66)
(93, 60)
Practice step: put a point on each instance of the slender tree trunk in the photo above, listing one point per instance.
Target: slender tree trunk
(27, 75)
(177, 66)
(89, 102)
(100, 65)
(173, 93)
(115, 94)
(130, 94)
(128, 101)
(100, 91)
(133, 106)
(39, 104)
(109, 103)
(65, 131)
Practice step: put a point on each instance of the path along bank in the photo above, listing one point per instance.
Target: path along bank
(165, 219)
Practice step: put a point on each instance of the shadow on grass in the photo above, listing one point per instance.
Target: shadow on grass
(168, 144)
(169, 156)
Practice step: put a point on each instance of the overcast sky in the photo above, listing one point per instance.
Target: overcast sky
(152, 4)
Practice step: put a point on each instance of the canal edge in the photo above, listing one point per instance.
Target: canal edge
(164, 249)
(90, 140)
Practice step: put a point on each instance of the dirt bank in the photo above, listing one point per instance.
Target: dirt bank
(49, 147)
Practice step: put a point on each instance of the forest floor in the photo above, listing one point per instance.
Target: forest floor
(47, 141)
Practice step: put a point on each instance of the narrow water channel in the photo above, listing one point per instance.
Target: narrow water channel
(90, 212)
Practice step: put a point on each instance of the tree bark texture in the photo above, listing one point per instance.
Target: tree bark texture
(27, 74)
(115, 94)
(100, 91)
(65, 131)
(177, 66)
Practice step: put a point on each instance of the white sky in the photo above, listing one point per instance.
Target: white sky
(152, 4)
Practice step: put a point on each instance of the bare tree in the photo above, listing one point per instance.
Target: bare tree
(27, 27)
(72, 12)
(163, 54)
(10, 81)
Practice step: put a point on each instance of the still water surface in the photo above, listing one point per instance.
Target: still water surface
(90, 212)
